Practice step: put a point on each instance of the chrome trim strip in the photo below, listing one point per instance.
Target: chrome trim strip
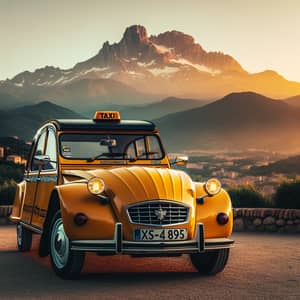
(14, 219)
(179, 250)
(42, 178)
(118, 245)
(199, 233)
(218, 243)
(158, 201)
(119, 237)
(36, 229)
(186, 242)
(95, 242)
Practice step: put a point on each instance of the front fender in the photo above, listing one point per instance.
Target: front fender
(207, 212)
(75, 198)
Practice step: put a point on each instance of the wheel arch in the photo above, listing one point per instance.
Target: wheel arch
(208, 208)
(53, 207)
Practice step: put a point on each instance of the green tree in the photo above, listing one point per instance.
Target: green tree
(287, 195)
(10, 174)
(247, 196)
(10, 170)
(7, 192)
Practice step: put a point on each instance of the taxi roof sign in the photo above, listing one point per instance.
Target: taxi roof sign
(107, 116)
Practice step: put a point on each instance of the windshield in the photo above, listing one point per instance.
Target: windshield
(110, 146)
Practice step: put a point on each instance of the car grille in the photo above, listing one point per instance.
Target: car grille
(158, 213)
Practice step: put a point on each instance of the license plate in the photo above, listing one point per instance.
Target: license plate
(160, 234)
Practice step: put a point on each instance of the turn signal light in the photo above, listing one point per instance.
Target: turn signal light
(222, 218)
(80, 219)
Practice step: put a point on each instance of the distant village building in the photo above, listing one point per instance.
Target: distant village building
(14, 146)
(2, 152)
(268, 190)
(195, 166)
(17, 159)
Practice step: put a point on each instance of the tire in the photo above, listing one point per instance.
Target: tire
(24, 238)
(210, 262)
(66, 263)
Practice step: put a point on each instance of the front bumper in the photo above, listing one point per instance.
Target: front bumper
(120, 246)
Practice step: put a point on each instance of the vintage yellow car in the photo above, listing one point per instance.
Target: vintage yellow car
(106, 185)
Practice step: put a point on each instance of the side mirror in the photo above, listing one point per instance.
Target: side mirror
(41, 160)
(181, 161)
(108, 142)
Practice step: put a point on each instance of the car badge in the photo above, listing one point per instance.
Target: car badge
(160, 214)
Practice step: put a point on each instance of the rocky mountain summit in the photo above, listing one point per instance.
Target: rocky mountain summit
(173, 49)
(142, 68)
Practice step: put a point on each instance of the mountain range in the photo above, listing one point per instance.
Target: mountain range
(237, 121)
(26, 120)
(141, 69)
(288, 165)
(294, 101)
(158, 109)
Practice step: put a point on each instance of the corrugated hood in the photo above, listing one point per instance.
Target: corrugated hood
(125, 186)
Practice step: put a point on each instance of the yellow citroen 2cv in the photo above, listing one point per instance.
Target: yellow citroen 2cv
(106, 185)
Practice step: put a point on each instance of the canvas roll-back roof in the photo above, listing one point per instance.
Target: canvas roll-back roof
(91, 125)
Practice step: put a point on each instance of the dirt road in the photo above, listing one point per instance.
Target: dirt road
(260, 267)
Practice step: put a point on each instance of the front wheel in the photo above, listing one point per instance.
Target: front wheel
(66, 263)
(210, 262)
(24, 238)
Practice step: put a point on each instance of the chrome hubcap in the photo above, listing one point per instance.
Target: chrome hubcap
(59, 244)
(19, 234)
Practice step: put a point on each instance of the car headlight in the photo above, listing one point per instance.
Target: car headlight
(96, 185)
(212, 186)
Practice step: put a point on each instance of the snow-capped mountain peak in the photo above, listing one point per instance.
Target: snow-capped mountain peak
(136, 56)
(170, 63)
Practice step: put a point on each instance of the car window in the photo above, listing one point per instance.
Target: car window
(154, 147)
(141, 148)
(51, 151)
(131, 150)
(39, 150)
(108, 147)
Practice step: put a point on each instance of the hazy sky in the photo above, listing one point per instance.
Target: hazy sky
(260, 34)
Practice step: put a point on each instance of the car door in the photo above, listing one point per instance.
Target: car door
(31, 178)
(47, 180)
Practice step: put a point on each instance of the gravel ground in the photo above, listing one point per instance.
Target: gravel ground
(261, 266)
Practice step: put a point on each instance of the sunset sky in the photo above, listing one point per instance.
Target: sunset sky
(260, 34)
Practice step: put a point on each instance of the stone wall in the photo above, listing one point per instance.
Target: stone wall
(266, 220)
(245, 219)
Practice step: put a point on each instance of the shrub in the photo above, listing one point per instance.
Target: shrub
(7, 192)
(10, 173)
(287, 195)
(248, 196)
(10, 170)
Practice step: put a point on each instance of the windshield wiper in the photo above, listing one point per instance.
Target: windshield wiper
(106, 154)
(133, 159)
